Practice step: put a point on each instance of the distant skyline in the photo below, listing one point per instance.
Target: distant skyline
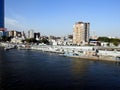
(57, 17)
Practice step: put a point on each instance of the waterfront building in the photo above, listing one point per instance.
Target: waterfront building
(14, 33)
(53, 42)
(11, 33)
(23, 35)
(31, 33)
(16, 40)
(81, 33)
(37, 35)
(19, 34)
(51, 37)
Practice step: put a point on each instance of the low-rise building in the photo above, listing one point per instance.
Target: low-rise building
(16, 40)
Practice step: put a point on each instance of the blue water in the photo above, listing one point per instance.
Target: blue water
(35, 70)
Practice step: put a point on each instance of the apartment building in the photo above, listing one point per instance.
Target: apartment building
(81, 33)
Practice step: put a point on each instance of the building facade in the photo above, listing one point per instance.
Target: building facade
(37, 35)
(1, 14)
(81, 33)
(31, 34)
(14, 33)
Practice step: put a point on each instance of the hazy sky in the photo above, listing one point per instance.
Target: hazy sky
(56, 17)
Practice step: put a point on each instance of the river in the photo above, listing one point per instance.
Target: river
(36, 70)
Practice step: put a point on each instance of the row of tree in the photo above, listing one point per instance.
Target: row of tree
(5, 38)
(31, 40)
(115, 41)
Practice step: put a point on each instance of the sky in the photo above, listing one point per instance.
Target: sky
(57, 17)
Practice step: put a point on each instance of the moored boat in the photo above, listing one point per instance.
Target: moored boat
(71, 54)
(7, 48)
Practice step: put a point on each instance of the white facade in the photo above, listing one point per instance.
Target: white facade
(31, 34)
(16, 40)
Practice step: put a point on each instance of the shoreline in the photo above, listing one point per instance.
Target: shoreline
(100, 58)
(71, 51)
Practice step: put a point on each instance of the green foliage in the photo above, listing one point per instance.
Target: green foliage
(31, 40)
(103, 39)
(5, 38)
(115, 41)
(70, 36)
(45, 41)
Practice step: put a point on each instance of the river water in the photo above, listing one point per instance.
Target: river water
(36, 70)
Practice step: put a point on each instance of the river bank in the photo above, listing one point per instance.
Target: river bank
(84, 52)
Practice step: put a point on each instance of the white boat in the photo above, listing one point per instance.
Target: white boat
(71, 54)
(7, 48)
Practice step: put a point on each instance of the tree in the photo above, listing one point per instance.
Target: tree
(116, 43)
(45, 41)
(103, 39)
(5, 38)
(70, 36)
(31, 40)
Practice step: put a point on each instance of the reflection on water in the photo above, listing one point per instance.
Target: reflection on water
(22, 69)
(79, 68)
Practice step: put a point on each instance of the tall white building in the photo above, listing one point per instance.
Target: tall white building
(31, 34)
(81, 33)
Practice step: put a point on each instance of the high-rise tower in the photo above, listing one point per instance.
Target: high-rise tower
(31, 33)
(2, 29)
(1, 14)
(81, 33)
